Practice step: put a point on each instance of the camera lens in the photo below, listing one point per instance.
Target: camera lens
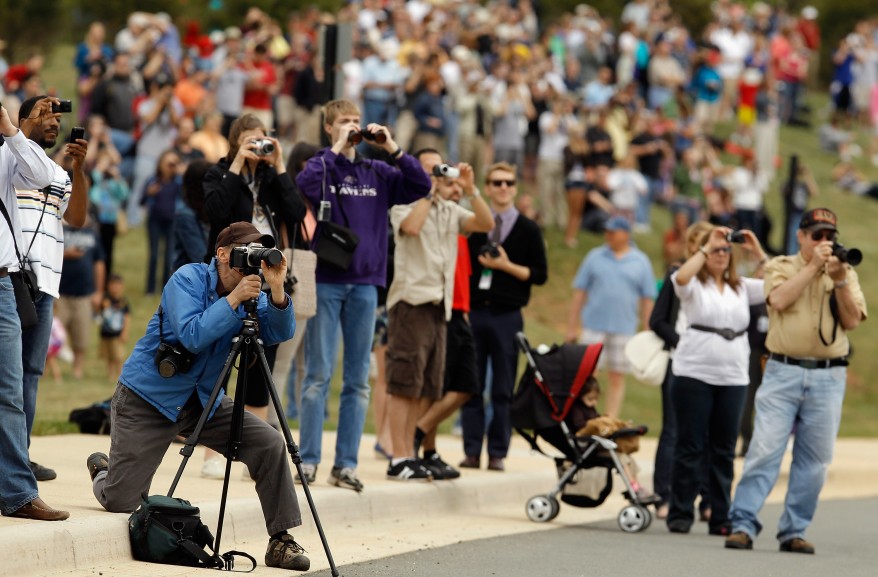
(167, 368)
(264, 147)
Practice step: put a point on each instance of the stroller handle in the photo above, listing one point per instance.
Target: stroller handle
(630, 432)
(522, 342)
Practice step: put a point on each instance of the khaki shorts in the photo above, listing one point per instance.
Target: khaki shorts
(416, 351)
(112, 349)
(77, 316)
(613, 356)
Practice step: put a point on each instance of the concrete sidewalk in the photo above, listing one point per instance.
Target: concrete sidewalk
(387, 518)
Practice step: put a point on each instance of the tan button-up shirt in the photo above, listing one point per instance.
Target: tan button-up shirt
(423, 268)
(796, 331)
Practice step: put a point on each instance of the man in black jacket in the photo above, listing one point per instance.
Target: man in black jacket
(505, 265)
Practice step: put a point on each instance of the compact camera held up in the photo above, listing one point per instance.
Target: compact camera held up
(446, 170)
(736, 237)
(249, 258)
(263, 147)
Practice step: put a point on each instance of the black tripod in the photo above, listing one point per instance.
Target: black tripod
(245, 344)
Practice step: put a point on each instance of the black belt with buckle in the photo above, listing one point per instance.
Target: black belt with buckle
(4, 272)
(809, 363)
(728, 334)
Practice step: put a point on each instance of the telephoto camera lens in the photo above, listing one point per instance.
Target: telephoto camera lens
(851, 256)
(736, 236)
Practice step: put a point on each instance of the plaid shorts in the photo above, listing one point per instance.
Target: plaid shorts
(613, 356)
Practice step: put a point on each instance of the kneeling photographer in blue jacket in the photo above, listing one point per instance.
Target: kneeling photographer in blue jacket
(171, 373)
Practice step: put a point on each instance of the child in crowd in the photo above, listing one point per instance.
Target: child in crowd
(115, 317)
(585, 419)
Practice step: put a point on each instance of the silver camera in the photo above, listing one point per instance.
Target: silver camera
(263, 147)
(446, 170)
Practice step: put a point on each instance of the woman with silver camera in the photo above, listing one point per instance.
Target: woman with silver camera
(251, 184)
(711, 372)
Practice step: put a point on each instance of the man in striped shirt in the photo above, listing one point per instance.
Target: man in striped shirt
(40, 213)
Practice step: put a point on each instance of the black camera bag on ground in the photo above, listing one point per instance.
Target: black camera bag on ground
(93, 420)
(169, 530)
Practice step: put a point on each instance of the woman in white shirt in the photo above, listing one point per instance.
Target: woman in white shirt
(711, 374)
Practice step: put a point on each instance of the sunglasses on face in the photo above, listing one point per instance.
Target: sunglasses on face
(722, 250)
(499, 183)
(819, 235)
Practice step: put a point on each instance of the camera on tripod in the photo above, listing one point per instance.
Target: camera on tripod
(851, 256)
(262, 147)
(172, 359)
(446, 170)
(249, 258)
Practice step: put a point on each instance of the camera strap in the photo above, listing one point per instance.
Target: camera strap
(33, 239)
(833, 308)
(338, 195)
(161, 322)
(21, 262)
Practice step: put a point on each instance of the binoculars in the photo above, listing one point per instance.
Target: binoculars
(357, 136)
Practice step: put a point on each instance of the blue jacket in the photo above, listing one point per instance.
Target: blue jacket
(196, 317)
(369, 188)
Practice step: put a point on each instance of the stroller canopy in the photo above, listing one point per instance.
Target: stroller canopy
(551, 384)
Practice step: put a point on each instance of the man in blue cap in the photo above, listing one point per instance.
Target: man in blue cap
(614, 284)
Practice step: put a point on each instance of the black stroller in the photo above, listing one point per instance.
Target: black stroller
(545, 395)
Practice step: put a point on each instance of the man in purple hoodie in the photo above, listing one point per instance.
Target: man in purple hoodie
(350, 191)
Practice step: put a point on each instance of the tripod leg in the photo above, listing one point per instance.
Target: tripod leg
(192, 440)
(293, 449)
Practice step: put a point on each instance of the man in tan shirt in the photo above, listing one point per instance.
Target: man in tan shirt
(813, 300)
(419, 304)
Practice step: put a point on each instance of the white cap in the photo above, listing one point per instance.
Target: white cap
(809, 13)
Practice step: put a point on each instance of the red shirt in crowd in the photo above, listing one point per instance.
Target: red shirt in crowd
(259, 97)
(462, 271)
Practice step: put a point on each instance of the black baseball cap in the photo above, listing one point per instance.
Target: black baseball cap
(819, 219)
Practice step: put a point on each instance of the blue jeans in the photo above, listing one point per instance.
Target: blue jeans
(644, 202)
(34, 345)
(17, 484)
(350, 309)
(809, 400)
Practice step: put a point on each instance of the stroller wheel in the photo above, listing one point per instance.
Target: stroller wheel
(634, 518)
(542, 508)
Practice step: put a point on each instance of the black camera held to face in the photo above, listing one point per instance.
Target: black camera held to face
(851, 256)
(357, 136)
(262, 147)
(172, 359)
(63, 107)
(491, 249)
(248, 259)
(736, 237)
(446, 170)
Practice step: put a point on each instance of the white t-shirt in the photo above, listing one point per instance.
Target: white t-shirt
(747, 188)
(46, 254)
(626, 186)
(707, 356)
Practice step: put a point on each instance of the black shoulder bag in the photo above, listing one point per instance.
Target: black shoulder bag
(24, 283)
(334, 244)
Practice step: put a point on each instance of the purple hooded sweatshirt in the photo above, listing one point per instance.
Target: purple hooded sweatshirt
(367, 188)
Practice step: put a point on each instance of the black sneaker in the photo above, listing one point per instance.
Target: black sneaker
(286, 554)
(96, 463)
(439, 468)
(346, 478)
(409, 470)
(42, 473)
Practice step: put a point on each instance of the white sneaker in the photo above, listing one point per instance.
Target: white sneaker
(214, 468)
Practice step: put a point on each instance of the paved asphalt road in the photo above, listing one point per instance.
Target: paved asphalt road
(845, 534)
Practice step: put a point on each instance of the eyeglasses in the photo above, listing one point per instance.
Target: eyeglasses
(819, 235)
(722, 250)
(499, 183)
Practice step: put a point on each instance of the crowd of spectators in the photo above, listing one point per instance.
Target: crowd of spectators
(597, 121)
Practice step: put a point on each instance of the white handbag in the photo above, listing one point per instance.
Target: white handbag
(301, 281)
(648, 357)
